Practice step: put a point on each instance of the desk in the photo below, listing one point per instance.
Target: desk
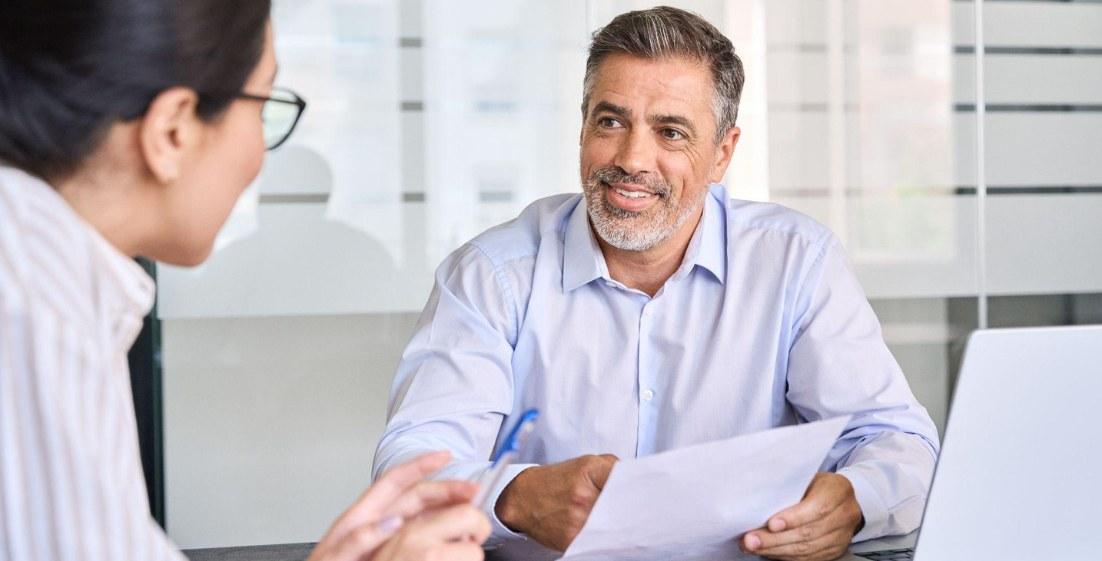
(281, 552)
(300, 551)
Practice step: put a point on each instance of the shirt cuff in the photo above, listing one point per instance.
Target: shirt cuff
(872, 506)
(502, 533)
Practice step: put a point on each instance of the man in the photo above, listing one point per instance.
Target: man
(655, 312)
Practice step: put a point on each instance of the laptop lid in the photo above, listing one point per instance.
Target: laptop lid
(1020, 472)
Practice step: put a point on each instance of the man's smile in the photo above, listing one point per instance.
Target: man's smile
(629, 196)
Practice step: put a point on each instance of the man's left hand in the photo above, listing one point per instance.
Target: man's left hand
(819, 528)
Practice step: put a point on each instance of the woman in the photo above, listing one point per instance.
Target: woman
(130, 127)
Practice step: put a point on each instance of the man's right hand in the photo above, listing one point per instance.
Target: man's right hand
(551, 503)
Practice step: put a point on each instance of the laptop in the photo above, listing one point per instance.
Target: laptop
(1020, 471)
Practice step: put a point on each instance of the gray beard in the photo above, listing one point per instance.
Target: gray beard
(636, 231)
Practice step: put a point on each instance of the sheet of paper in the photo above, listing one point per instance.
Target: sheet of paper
(703, 496)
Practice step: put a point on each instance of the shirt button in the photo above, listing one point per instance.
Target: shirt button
(647, 312)
(648, 395)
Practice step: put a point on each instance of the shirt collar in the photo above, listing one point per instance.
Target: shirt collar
(583, 261)
(708, 246)
(126, 292)
(122, 292)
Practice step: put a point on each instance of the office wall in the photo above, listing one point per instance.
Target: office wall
(431, 120)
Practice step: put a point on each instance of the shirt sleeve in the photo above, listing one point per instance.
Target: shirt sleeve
(61, 496)
(840, 365)
(454, 385)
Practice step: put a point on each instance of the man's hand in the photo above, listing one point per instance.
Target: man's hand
(820, 528)
(551, 503)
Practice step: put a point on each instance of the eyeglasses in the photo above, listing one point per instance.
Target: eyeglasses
(281, 112)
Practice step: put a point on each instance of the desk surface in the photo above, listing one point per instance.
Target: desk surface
(281, 552)
(300, 551)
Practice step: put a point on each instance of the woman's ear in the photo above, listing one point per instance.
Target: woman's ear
(168, 131)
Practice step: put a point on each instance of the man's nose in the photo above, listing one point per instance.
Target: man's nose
(637, 153)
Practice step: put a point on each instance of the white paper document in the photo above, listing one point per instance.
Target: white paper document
(703, 496)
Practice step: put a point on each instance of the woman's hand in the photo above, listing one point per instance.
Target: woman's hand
(403, 517)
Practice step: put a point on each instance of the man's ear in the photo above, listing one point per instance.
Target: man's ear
(168, 131)
(724, 150)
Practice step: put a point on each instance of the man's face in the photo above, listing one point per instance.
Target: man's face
(649, 150)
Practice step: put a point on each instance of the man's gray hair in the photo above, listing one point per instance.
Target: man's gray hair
(664, 32)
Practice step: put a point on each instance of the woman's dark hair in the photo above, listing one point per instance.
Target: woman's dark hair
(69, 69)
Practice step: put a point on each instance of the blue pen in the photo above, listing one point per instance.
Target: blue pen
(505, 456)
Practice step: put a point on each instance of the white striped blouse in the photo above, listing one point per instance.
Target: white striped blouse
(71, 484)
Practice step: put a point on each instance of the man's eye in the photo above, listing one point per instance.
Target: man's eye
(672, 134)
(608, 123)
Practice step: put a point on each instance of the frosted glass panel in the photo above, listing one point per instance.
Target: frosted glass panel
(502, 111)
(1014, 23)
(301, 262)
(1044, 242)
(1034, 146)
(333, 190)
(1031, 79)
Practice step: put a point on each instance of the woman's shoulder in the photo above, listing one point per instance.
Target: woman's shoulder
(44, 257)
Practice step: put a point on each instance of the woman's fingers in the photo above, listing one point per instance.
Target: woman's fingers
(456, 523)
(429, 495)
(396, 481)
(447, 518)
(359, 542)
(384, 492)
(452, 533)
(455, 552)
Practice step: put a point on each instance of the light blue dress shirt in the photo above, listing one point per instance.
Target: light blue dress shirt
(763, 325)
